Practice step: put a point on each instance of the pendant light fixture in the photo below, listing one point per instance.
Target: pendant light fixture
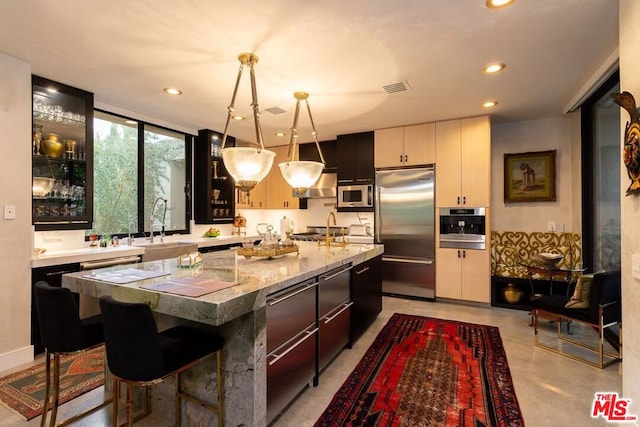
(301, 175)
(247, 165)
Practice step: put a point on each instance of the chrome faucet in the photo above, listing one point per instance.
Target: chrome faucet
(153, 215)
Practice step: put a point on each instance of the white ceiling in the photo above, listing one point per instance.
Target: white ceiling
(340, 51)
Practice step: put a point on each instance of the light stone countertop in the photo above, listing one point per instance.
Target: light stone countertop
(256, 277)
(95, 253)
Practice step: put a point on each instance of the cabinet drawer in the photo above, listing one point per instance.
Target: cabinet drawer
(333, 289)
(335, 330)
(290, 311)
(289, 369)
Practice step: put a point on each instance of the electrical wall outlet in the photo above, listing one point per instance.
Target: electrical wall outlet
(9, 212)
(551, 226)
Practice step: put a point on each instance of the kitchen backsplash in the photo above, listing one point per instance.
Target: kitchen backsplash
(315, 215)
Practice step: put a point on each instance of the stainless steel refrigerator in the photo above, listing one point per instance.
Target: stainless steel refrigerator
(405, 224)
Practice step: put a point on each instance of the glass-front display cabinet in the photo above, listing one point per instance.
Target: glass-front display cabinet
(214, 187)
(62, 153)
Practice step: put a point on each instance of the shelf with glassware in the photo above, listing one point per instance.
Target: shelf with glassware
(62, 156)
(214, 188)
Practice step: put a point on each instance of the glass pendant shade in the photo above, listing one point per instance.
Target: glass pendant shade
(247, 165)
(301, 175)
(41, 186)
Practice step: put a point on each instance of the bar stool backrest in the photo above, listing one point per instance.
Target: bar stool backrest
(59, 319)
(131, 340)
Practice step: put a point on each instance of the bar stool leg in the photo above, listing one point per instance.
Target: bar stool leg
(116, 399)
(178, 401)
(220, 384)
(56, 389)
(129, 404)
(45, 404)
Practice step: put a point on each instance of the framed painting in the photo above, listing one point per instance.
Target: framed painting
(530, 177)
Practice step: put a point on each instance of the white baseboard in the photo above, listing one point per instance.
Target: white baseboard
(15, 358)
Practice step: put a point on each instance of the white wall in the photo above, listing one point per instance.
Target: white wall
(630, 207)
(15, 234)
(536, 135)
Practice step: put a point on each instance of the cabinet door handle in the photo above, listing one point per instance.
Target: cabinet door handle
(328, 320)
(362, 271)
(464, 200)
(458, 199)
(308, 334)
(464, 254)
(337, 273)
(292, 294)
(400, 158)
(459, 254)
(406, 158)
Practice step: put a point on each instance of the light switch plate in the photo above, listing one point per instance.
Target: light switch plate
(9, 212)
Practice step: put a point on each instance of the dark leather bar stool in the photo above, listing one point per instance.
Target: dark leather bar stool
(139, 355)
(63, 332)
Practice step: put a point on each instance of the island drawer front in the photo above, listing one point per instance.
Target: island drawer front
(335, 328)
(289, 370)
(333, 289)
(290, 311)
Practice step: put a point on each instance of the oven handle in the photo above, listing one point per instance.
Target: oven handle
(296, 344)
(92, 265)
(292, 294)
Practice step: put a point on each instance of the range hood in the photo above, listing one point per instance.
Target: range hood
(326, 187)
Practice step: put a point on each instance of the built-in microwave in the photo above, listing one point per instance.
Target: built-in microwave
(355, 196)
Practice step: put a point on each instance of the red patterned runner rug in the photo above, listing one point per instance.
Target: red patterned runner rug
(421, 371)
(23, 391)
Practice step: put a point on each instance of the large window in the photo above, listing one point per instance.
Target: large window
(140, 177)
(601, 157)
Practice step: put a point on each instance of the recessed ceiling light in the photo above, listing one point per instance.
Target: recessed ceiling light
(237, 117)
(489, 104)
(495, 4)
(494, 68)
(172, 91)
(280, 133)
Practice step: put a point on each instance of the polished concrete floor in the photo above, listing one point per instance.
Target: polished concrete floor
(552, 390)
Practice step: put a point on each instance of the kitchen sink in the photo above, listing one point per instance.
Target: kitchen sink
(156, 251)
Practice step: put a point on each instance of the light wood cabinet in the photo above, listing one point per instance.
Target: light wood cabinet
(279, 192)
(405, 146)
(463, 162)
(463, 274)
(272, 192)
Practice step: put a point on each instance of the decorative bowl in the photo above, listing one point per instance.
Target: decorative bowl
(41, 186)
(52, 148)
(549, 259)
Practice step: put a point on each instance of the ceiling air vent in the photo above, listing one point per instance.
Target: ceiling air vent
(397, 87)
(275, 110)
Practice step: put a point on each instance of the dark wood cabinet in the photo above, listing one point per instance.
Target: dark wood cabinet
(309, 152)
(366, 295)
(355, 158)
(214, 201)
(62, 156)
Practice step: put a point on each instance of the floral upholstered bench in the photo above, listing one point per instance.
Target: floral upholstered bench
(511, 249)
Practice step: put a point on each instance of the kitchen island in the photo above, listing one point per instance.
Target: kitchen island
(237, 313)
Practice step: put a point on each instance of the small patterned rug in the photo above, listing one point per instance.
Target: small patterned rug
(23, 391)
(421, 371)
